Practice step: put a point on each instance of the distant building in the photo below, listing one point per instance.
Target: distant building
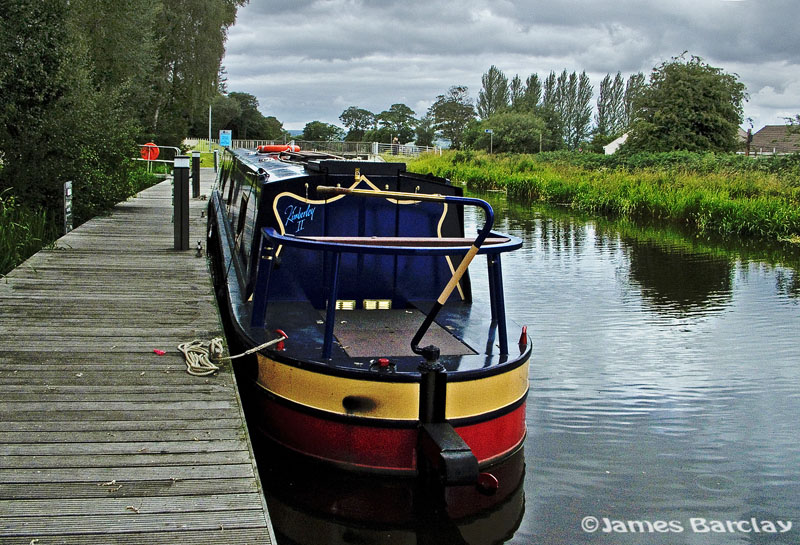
(614, 145)
(775, 140)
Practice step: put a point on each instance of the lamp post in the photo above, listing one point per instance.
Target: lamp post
(491, 138)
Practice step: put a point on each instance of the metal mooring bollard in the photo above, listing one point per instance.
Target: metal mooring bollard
(180, 201)
(195, 174)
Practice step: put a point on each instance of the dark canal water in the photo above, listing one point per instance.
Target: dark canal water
(664, 401)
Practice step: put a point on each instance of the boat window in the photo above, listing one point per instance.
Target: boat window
(242, 219)
(225, 171)
(249, 226)
(243, 213)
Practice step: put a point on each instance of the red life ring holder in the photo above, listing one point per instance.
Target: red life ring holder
(149, 152)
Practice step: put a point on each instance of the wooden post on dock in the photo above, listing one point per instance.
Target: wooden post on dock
(180, 202)
(195, 174)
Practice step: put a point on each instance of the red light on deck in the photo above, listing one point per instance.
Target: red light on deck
(281, 345)
(523, 338)
(383, 362)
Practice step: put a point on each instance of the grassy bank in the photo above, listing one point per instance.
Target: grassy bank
(725, 195)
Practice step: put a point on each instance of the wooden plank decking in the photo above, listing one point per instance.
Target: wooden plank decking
(102, 440)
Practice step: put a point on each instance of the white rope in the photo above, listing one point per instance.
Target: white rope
(199, 354)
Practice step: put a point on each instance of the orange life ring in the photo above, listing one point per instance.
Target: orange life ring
(277, 148)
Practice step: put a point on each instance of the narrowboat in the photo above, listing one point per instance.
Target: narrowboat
(350, 281)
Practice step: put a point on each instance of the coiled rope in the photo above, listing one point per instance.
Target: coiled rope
(200, 355)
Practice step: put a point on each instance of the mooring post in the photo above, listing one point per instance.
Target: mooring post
(195, 174)
(180, 201)
(216, 159)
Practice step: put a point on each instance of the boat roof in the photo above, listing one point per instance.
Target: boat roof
(271, 164)
(294, 164)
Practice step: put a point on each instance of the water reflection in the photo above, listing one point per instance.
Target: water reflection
(311, 504)
(787, 282)
(676, 281)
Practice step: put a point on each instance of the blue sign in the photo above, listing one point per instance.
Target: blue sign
(225, 139)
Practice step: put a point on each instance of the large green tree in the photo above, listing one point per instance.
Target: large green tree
(512, 132)
(57, 123)
(238, 112)
(247, 123)
(358, 121)
(426, 133)
(224, 112)
(451, 113)
(566, 108)
(317, 131)
(83, 81)
(191, 43)
(399, 120)
(121, 44)
(687, 105)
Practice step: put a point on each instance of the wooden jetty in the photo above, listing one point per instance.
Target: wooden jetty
(101, 439)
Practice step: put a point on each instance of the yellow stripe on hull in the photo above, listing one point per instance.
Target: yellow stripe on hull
(389, 400)
(483, 395)
(341, 395)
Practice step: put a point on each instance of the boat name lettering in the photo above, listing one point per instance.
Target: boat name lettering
(297, 216)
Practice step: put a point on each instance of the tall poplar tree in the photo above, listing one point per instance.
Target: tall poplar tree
(577, 110)
(516, 90)
(609, 119)
(532, 94)
(494, 95)
(636, 82)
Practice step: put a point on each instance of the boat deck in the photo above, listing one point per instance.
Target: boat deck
(376, 333)
(102, 440)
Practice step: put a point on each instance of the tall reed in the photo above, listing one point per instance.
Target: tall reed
(23, 232)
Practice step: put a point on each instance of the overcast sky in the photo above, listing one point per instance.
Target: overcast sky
(308, 60)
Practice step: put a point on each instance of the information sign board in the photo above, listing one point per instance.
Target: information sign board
(67, 207)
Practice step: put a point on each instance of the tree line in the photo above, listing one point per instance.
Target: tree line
(685, 104)
(83, 82)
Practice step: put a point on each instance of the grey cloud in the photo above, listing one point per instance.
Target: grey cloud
(330, 54)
